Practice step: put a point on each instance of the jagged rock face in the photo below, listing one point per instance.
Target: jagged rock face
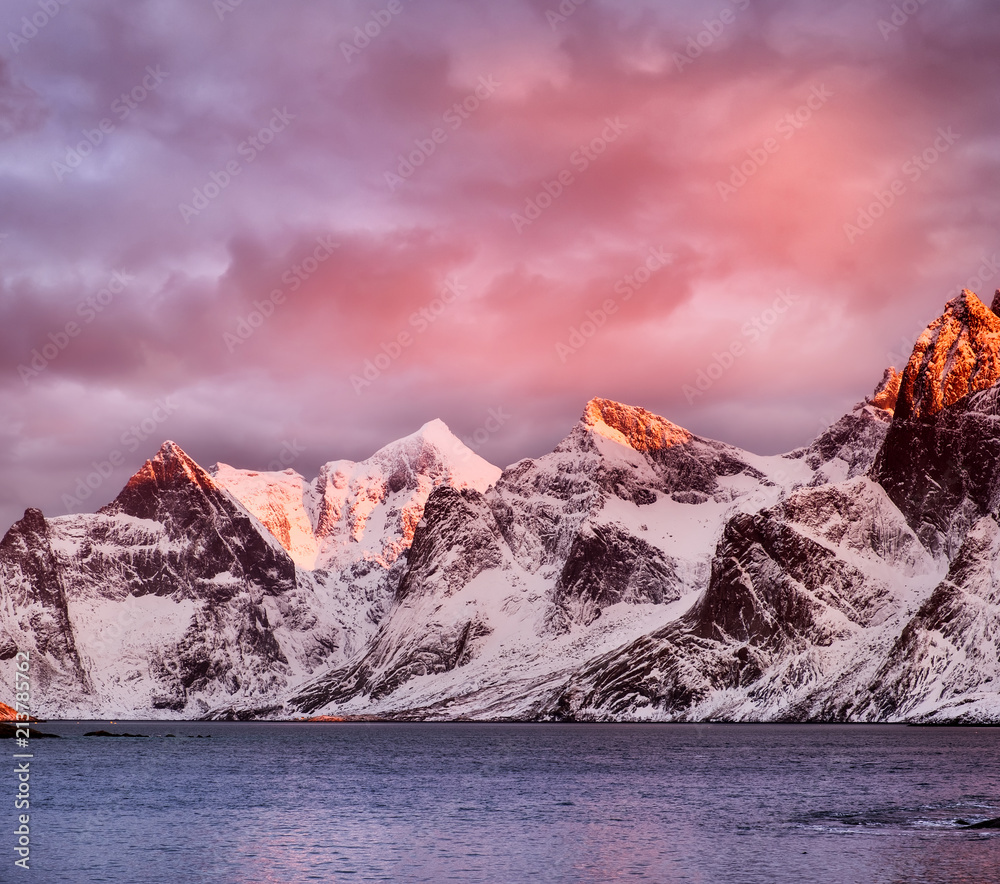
(661, 675)
(561, 539)
(540, 504)
(607, 565)
(681, 463)
(943, 470)
(175, 600)
(373, 507)
(958, 354)
(393, 660)
(616, 452)
(211, 535)
(848, 448)
(785, 581)
(946, 661)
(780, 578)
(939, 461)
(358, 517)
(766, 587)
(887, 392)
(33, 614)
(635, 427)
(458, 540)
(283, 502)
(160, 599)
(637, 572)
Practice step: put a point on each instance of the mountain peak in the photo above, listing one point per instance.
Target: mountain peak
(632, 426)
(436, 433)
(172, 462)
(170, 448)
(170, 469)
(958, 354)
(435, 449)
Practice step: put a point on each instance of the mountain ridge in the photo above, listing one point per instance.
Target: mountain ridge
(636, 572)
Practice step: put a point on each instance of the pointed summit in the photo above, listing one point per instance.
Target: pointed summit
(958, 354)
(436, 451)
(169, 474)
(632, 426)
(169, 467)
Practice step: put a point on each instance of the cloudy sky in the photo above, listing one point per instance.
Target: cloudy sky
(300, 230)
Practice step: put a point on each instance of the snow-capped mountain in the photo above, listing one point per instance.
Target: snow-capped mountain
(637, 572)
(358, 512)
(190, 593)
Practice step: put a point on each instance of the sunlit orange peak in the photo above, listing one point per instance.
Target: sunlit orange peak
(632, 426)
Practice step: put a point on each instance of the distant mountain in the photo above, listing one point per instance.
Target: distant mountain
(637, 572)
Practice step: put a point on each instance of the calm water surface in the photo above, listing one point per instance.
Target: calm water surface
(747, 804)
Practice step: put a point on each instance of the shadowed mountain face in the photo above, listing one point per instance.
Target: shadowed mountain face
(209, 533)
(637, 572)
(35, 619)
(939, 463)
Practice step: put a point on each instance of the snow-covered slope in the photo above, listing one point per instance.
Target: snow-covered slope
(636, 572)
(178, 599)
(358, 511)
(609, 536)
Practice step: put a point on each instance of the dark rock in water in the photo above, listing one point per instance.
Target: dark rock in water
(8, 732)
(108, 734)
(985, 824)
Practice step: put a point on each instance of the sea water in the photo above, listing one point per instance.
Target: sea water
(742, 804)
